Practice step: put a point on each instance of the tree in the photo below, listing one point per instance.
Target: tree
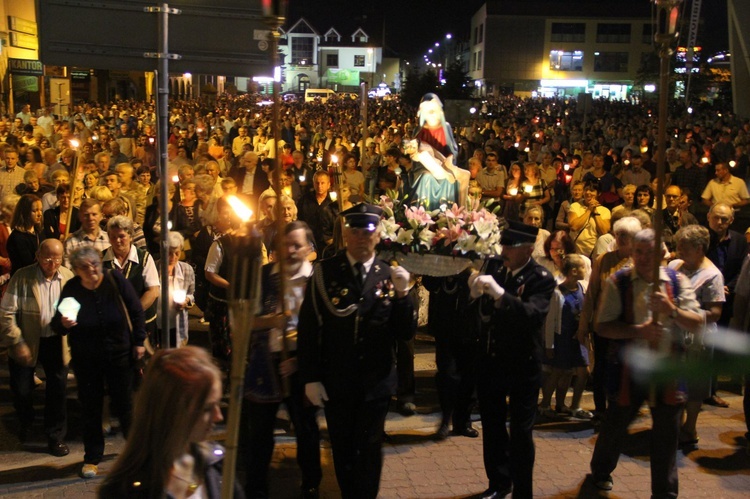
(417, 84)
(456, 82)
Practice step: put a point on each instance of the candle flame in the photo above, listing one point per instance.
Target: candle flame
(240, 208)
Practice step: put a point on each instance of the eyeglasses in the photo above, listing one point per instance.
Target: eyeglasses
(87, 265)
(52, 260)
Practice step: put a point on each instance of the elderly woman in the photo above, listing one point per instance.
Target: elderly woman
(576, 194)
(534, 216)
(181, 293)
(604, 266)
(692, 244)
(136, 264)
(628, 198)
(106, 336)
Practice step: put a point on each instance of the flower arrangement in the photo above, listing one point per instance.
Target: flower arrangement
(471, 231)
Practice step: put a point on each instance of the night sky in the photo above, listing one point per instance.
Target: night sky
(412, 26)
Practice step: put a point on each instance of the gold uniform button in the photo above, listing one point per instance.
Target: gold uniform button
(335, 300)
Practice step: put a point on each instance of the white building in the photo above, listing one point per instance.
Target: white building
(337, 59)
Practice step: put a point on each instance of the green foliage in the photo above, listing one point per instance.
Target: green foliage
(417, 84)
(456, 82)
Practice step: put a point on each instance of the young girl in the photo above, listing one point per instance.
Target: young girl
(566, 354)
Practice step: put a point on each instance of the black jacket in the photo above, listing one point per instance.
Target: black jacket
(512, 334)
(346, 331)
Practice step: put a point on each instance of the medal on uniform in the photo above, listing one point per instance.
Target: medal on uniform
(344, 292)
(335, 300)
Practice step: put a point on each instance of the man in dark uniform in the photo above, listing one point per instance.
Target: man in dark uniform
(511, 304)
(355, 306)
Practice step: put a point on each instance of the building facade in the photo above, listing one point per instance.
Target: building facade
(337, 59)
(576, 46)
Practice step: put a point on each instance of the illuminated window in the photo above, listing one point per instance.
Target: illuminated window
(612, 33)
(611, 62)
(568, 32)
(359, 61)
(560, 60)
(302, 50)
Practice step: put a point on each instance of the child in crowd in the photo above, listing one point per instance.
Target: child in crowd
(566, 355)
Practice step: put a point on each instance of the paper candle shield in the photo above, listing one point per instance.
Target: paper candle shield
(69, 308)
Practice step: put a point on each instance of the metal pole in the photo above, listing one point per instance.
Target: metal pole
(658, 223)
(280, 247)
(162, 113)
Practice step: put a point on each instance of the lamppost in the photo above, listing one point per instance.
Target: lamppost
(667, 15)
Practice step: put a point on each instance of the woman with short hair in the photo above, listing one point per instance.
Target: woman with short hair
(106, 339)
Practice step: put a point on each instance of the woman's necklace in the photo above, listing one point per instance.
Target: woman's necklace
(192, 484)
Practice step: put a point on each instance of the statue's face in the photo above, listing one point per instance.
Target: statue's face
(432, 113)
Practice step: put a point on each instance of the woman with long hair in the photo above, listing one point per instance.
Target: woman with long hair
(26, 226)
(513, 196)
(167, 454)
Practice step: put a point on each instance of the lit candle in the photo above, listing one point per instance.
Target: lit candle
(179, 296)
(644, 149)
(528, 188)
(704, 160)
(526, 149)
(732, 163)
(513, 191)
(566, 167)
(334, 196)
(301, 178)
(175, 178)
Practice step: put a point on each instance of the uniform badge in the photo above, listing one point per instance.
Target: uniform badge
(335, 300)
(344, 292)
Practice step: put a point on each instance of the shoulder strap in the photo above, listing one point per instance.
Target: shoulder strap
(123, 308)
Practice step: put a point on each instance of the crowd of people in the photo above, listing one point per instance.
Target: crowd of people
(578, 193)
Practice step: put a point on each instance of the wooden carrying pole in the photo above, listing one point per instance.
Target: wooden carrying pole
(244, 249)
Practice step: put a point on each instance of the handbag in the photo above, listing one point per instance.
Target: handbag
(138, 365)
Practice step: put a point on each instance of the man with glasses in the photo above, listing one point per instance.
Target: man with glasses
(727, 250)
(25, 314)
(675, 214)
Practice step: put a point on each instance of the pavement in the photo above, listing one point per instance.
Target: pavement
(415, 465)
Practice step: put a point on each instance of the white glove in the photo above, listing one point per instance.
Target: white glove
(316, 393)
(472, 277)
(486, 285)
(400, 278)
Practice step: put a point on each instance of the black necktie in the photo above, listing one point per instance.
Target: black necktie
(361, 274)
